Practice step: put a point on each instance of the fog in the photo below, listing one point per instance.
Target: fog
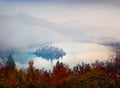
(25, 24)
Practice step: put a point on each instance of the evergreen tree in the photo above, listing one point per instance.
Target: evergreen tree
(10, 61)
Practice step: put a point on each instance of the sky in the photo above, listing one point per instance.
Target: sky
(61, 20)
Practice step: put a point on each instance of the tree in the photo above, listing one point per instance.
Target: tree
(115, 46)
(116, 49)
(10, 62)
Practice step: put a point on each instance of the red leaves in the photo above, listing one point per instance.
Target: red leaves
(98, 74)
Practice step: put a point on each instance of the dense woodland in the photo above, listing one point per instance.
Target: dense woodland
(94, 75)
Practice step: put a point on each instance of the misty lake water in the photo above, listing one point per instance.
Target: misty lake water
(75, 53)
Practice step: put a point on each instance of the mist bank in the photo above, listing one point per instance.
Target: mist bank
(20, 32)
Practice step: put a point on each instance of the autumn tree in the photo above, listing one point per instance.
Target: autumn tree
(61, 76)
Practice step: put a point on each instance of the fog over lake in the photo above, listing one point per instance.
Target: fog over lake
(79, 27)
(76, 53)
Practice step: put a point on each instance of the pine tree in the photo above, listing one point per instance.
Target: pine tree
(10, 62)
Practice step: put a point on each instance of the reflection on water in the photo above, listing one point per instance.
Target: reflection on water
(76, 53)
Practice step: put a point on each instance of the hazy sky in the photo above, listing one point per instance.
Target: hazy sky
(27, 22)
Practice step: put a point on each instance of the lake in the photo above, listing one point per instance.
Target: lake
(75, 53)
